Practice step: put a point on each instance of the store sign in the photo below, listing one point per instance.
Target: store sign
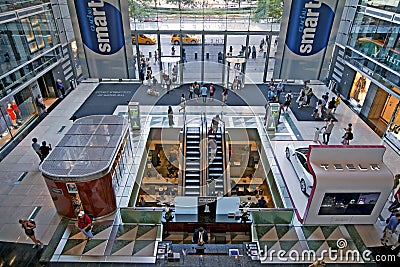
(309, 27)
(100, 24)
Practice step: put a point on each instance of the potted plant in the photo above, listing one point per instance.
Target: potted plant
(245, 216)
(168, 215)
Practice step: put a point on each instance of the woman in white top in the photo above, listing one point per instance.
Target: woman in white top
(183, 103)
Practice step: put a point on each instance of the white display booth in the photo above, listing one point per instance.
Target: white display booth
(351, 184)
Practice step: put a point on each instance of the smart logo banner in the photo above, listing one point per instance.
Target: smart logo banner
(309, 27)
(100, 25)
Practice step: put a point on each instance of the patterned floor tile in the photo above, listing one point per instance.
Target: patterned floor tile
(128, 232)
(317, 235)
(74, 247)
(95, 247)
(144, 248)
(290, 235)
(122, 247)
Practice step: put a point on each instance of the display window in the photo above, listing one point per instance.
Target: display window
(348, 203)
(393, 133)
(16, 110)
(359, 90)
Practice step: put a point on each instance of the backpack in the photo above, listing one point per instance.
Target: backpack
(288, 97)
(350, 136)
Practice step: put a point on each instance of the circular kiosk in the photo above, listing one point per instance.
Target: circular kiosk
(85, 168)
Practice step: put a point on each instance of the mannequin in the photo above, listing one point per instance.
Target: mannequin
(360, 86)
(17, 111)
(12, 115)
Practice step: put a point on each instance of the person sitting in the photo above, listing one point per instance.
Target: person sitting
(200, 237)
(262, 203)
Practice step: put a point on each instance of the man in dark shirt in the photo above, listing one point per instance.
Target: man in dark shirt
(44, 150)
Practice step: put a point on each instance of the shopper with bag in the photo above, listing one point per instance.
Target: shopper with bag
(85, 224)
(29, 226)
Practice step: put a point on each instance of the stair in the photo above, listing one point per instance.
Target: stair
(192, 162)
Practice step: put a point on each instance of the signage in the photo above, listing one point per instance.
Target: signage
(57, 191)
(134, 115)
(309, 27)
(307, 36)
(71, 187)
(100, 24)
(102, 31)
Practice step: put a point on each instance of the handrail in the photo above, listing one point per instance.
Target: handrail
(203, 160)
(183, 160)
(224, 155)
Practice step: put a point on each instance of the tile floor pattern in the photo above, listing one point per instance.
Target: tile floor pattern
(273, 238)
(111, 240)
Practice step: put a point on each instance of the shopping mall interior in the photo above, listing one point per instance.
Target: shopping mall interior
(199, 133)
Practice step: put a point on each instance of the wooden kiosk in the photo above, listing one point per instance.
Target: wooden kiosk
(84, 169)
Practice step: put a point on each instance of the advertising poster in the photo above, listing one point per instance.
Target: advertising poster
(100, 27)
(308, 34)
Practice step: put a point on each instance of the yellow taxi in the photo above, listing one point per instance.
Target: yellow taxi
(143, 39)
(186, 39)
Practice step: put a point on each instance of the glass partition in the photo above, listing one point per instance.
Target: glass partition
(213, 64)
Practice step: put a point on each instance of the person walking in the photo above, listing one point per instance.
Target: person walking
(327, 130)
(338, 99)
(183, 103)
(170, 117)
(309, 94)
(203, 90)
(36, 147)
(391, 224)
(212, 91)
(225, 93)
(301, 98)
(44, 150)
(29, 228)
(288, 100)
(191, 90)
(331, 105)
(196, 91)
(348, 135)
(85, 224)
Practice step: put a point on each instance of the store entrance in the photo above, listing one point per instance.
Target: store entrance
(382, 110)
(47, 89)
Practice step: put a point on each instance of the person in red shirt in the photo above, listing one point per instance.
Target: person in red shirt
(16, 109)
(85, 224)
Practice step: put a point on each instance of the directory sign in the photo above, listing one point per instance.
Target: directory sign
(134, 115)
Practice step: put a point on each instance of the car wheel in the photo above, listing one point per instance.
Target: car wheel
(176, 42)
(303, 186)
(287, 153)
(193, 42)
(147, 42)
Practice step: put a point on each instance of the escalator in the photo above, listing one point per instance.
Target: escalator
(216, 169)
(192, 162)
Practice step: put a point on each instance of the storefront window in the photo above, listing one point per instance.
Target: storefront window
(389, 5)
(393, 133)
(359, 90)
(15, 110)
